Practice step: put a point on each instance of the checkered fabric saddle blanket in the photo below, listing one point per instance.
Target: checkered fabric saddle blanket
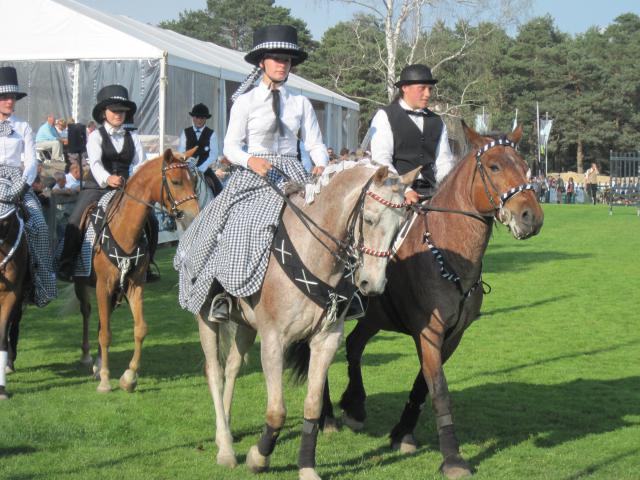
(97, 230)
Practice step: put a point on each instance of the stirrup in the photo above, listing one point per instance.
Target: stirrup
(357, 307)
(220, 308)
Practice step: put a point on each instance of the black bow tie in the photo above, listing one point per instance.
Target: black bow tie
(417, 113)
(197, 131)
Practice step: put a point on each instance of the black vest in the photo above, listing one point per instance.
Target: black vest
(113, 162)
(413, 148)
(202, 154)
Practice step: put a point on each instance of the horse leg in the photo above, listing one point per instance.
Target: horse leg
(129, 379)
(272, 356)
(328, 423)
(13, 335)
(353, 398)
(323, 348)
(402, 438)
(82, 294)
(429, 345)
(105, 307)
(9, 303)
(244, 338)
(209, 341)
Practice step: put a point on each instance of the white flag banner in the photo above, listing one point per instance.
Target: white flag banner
(545, 131)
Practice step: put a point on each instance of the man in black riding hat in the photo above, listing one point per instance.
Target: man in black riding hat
(114, 154)
(406, 134)
(198, 134)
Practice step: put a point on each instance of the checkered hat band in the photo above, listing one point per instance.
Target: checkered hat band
(275, 46)
(8, 89)
(118, 98)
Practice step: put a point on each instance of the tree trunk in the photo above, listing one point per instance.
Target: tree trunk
(580, 157)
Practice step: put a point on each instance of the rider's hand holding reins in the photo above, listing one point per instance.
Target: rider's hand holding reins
(114, 181)
(411, 197)
(259, 165)
(317, 170)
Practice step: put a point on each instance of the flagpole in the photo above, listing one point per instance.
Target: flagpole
(546, 141)
(538, 129)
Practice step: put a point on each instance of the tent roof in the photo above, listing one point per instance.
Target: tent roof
(65, 29)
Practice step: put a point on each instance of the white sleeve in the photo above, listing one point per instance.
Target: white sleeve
(382, 141)
(312, 136)
(236, 136)
(139, 158)
(29, 157)
(94, 151)
(445, 160)
(182, 143)
(213, 153)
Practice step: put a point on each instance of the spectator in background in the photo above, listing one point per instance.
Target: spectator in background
(559, 189)
(331, 153)
(61, 128)
(91, 126)
(73, 177)
(571, 191)
(48, 139)
(344, 154)
(591, 182)
(61, 183)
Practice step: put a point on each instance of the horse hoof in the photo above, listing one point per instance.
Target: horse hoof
(407, 445)
(227, 459)
(95, 372)
(256, 462)
(104, 387)
(4, 395)
(9, 370)
(455, 467)
(308, 474)
(330, 425)
(86, 360)
(129, 381)
(352, 423)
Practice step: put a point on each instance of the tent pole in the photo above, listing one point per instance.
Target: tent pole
(162, 100)
(76, 90)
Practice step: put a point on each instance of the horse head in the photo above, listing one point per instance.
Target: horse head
(177, 194)
(500, 183)
(382, 214)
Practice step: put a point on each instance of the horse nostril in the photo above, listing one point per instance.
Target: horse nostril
(526, 214)
(363, 285)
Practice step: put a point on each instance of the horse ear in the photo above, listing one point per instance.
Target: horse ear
(474, 137)
(516, 135)
(189, 153)
(409, 177)
(381, 174)
(168, 155)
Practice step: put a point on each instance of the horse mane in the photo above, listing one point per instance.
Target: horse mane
(330, 173)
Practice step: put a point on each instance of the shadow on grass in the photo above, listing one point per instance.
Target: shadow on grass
(512, 260)
(507, 414)
(10, 451)
(515, 308)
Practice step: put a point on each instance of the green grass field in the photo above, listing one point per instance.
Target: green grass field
(545, 385)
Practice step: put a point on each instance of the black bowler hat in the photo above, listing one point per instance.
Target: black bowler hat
(416, 73)
(276, 39)
(9, 82)
(200, 110)
(117, 98)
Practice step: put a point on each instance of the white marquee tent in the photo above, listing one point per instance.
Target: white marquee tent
(65, 52)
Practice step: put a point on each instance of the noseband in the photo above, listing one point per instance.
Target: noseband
(174, 211)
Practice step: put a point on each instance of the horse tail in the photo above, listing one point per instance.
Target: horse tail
(297, 357)
(70, 302)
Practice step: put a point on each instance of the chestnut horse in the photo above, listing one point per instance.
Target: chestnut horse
(14, 261)
(355, 212)
(435, 285)
(165, 180)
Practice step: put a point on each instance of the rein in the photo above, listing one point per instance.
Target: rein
(12, 252)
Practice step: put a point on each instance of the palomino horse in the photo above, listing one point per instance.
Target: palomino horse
(14, 261)
(353, 204)
(165, 180)
(435, 290)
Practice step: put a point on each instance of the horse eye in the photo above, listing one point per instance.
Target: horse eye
(368, 221)
(175, 182)
(494, 168)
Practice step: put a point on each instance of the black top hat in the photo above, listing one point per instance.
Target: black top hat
(200, 110)
(276, 39)
(9, 82)
(113, 96)
(416, 73)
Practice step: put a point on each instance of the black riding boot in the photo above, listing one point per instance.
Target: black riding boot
(221, 303)
(70, 249)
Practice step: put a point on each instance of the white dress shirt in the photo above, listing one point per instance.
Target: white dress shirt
(251, 127)
(94, 151)
(19, 149)
(382, 143)
(213, 147)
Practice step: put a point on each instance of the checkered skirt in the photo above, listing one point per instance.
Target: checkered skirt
(231, 238)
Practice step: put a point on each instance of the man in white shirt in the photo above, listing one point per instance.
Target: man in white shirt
(114, 154)
(18, 157)
(203, 137)
(407, 135)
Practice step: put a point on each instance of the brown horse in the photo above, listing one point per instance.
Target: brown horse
(14, 261)
(435, 290)
(165, 180)
(362, 211)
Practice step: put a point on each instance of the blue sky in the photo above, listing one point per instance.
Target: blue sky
(571, 16)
